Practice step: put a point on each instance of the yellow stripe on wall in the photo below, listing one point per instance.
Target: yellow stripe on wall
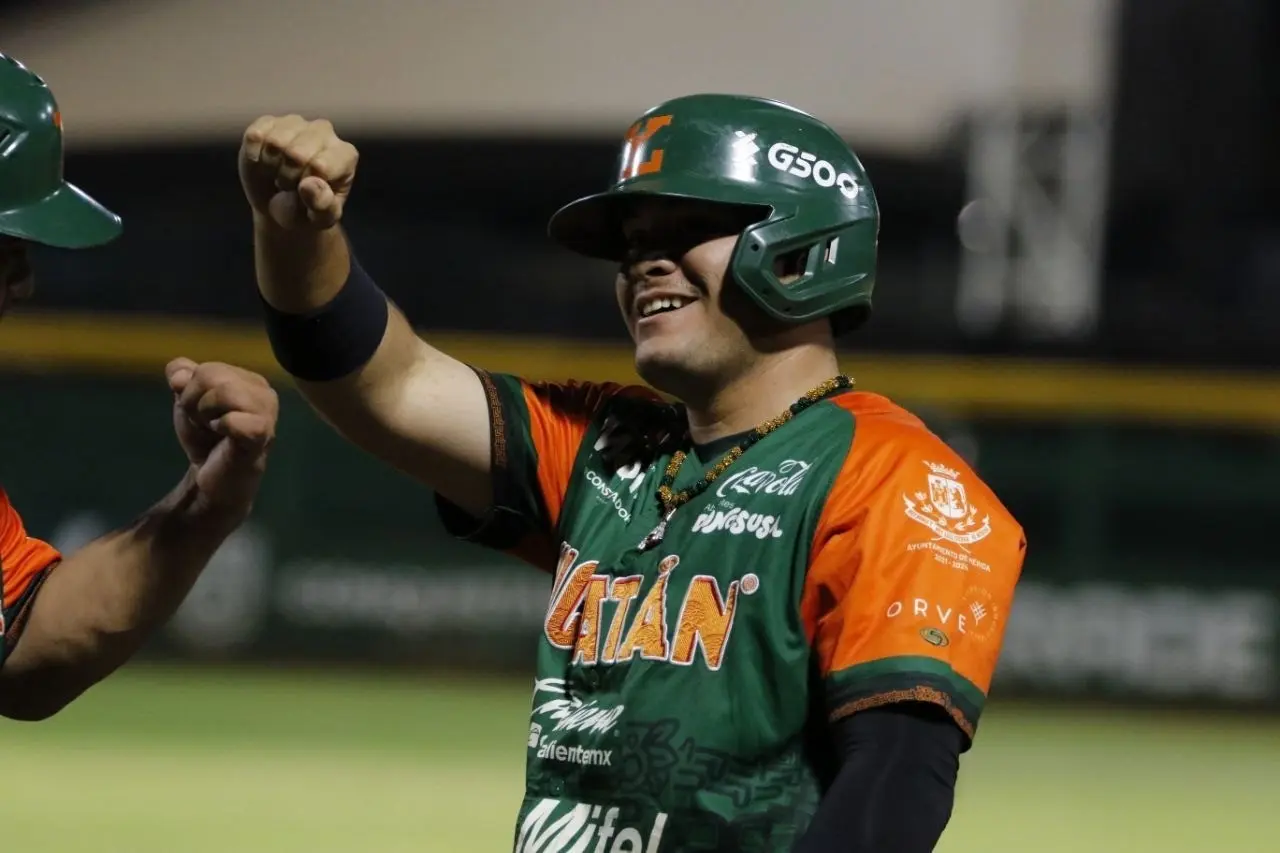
(131, 345)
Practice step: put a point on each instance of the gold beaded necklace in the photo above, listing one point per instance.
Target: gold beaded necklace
(671, 500)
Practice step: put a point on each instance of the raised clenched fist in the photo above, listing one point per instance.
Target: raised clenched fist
(297, 172)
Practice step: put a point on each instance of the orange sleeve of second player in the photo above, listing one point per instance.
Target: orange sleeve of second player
(912, 575)
(23, 562)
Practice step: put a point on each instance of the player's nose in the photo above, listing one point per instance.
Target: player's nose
(651, 267)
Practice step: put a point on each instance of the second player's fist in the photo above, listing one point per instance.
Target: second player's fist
(297, 172)
(225, 418)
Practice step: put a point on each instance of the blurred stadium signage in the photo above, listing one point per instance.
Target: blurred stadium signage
(1166, 642)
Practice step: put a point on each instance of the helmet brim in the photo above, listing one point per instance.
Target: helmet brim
(67, 218)
(593, 226)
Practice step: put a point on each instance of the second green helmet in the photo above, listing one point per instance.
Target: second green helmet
(36, 203)
(810, 188)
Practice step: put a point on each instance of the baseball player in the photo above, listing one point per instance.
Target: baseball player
(66, 623)
(776, 604)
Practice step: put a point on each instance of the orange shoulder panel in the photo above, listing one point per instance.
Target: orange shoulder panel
(914, 556)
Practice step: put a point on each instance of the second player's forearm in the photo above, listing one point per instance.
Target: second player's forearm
(99, 605)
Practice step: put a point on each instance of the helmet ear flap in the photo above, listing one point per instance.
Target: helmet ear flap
(824, 267)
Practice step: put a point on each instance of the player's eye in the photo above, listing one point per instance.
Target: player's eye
(646, 245)
(637, 240)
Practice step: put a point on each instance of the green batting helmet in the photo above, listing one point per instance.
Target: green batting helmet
(36, 204)
(811, 190)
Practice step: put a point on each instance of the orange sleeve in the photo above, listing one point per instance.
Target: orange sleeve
(23, 562)
(559, 416)
(536, 432)
(911, 578)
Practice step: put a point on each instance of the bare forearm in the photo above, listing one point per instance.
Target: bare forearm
(357, 360)
(299, 270)
(406, 402)
(409, 406)
(100, 604)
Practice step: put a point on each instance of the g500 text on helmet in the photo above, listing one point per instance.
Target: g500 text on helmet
(786, 157)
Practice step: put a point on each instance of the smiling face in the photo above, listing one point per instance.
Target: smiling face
(16, 280)
(693, 327)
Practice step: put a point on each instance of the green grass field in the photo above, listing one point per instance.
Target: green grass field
(167, 760)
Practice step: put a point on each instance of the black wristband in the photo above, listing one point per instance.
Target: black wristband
(336, 339)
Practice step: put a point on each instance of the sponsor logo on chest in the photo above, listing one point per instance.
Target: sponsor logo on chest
(620, 489)
(737, 521)
(620, 482)
(785, 479)
(726, 516)
(571, 714)
(562, 718)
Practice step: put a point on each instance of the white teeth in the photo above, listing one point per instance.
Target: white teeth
(653, 306)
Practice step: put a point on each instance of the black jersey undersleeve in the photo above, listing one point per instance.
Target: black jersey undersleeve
(896, 784)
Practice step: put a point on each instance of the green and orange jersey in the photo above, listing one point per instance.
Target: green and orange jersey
(683, 693)
(24, 563)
